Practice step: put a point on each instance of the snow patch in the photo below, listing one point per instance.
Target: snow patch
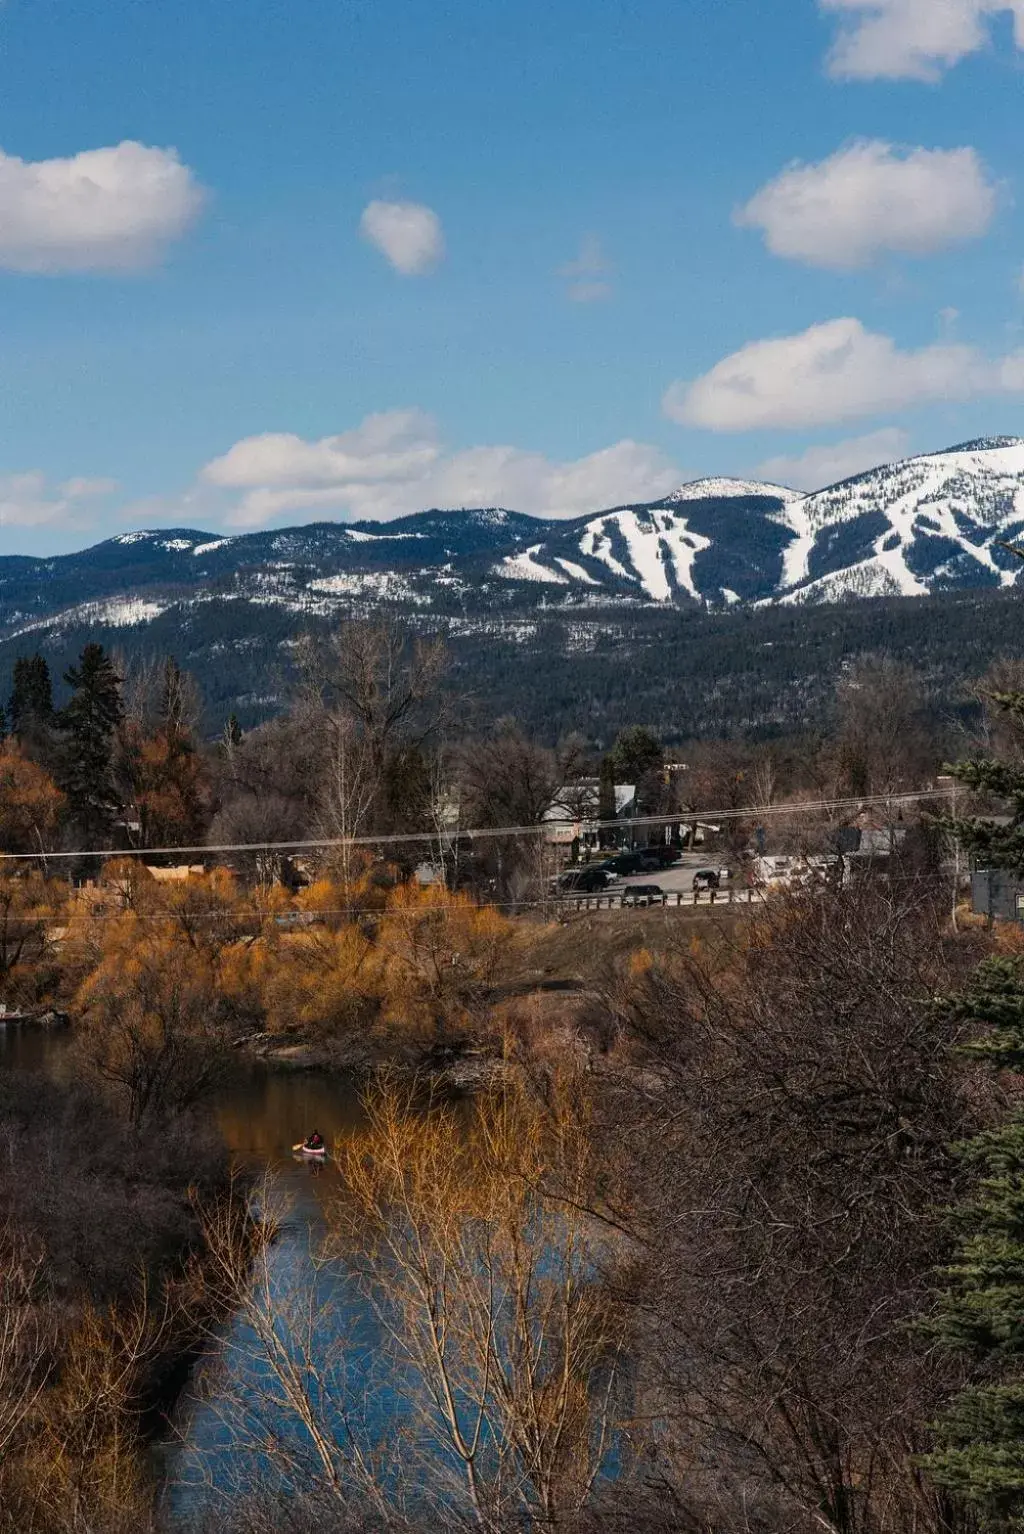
(382, 584)
(577, 572)
(526, 567)
(722, 489)
(597, 544)
(119, 612)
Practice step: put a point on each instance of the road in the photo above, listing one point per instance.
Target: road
(677, 878)
(676, 885)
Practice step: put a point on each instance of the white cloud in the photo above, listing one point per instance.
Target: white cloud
(395, 463)
(870, 198)
(113, 209)
(79, 488)
(912, 39)
(398, 444)
(587, 278)
(29, 500)
(408, 234)
(829, 463)
(832, 372)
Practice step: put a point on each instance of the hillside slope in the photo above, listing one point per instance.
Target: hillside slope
(522, 597)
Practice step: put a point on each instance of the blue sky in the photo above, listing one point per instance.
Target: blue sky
(408, 254)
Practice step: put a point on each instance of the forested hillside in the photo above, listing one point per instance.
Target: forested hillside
(753, 673)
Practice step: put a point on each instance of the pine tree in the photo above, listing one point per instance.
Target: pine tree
(30, 707)
(993, 845)
(980, 1310)
(979, 1314)
(635, 754)
(90, 722)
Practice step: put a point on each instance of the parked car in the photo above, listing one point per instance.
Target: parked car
(643, 894)
(623, 863)
(706, 879)
(582, 881)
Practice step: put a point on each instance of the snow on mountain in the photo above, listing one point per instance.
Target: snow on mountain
(714, 542)
(525, 566)
(925, 524)
(660, 547)
(717, 489)
(931, 523)
(119, 613)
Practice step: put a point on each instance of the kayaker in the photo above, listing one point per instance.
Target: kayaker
(315, 1141)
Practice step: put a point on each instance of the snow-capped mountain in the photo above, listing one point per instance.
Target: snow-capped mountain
(907, 529)
(931, 523)
(928, 524)
(715, 542)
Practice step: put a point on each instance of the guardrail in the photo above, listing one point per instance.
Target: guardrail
(617, 900)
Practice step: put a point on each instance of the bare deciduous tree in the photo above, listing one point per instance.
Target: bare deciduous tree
(883, 743)
(503, 1344)
(784, 1126)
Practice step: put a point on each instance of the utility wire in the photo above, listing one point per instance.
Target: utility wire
(450, 835)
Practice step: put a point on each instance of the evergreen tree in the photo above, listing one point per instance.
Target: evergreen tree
(635, 754)
(980, 1311)
(30, 707)
(90, 722)
(979, 1453)
(993, 845)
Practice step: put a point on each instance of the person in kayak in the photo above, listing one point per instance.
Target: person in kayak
(315, 1142)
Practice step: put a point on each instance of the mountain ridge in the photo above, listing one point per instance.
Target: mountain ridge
(930, 523)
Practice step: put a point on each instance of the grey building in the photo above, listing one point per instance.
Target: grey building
(998, 893)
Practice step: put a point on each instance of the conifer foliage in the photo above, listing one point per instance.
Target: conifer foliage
(995, 845)
(90, 722)
(31, 701)
(979, 1315)
(980, 1311)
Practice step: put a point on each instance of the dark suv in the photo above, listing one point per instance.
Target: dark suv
(643, 894)
(582, 881)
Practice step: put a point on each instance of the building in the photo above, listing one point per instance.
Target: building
(997, 893)
(571, 821)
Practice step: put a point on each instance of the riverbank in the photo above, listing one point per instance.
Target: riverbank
(108, 1278)
(47, 1017)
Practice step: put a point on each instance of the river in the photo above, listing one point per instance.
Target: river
(302, 1384)
(218, 1443)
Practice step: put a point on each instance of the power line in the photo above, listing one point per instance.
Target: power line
(450, 835)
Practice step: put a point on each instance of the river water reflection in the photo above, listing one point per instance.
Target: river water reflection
(233, 1428)
(302, 1383)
